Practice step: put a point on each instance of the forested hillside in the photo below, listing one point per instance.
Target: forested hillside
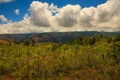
(53, 36)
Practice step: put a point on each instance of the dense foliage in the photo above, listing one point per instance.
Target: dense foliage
(85, 58)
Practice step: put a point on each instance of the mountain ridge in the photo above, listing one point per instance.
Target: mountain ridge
(53, 36)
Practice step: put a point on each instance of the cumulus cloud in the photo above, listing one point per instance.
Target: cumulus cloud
(53, 8)
(3, 18)
(108, 15)
(40, 14)
(67, 16)
(17, 12)
(5, 1)
(50, 18)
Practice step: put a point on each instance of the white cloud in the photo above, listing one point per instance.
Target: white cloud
(49, 18)
(17, 12)
(40, 14)
(5, 1)
(67, 16)
(107, 15)
(3, 18)
(53, 8)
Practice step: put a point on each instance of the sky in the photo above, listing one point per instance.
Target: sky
(37, 16)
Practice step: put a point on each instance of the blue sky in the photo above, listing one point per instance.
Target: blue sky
(7, 9)
(38, 16)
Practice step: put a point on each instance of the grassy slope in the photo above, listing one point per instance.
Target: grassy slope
(57, 61)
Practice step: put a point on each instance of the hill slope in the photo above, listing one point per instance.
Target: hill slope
(53, 36)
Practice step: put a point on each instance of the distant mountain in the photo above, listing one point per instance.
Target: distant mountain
(53, 36)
